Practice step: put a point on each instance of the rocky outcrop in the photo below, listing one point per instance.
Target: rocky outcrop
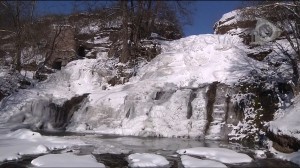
(243, 22)
(234, 23)
(247, 104)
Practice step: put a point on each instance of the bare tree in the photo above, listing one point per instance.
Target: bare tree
(19, 17)
(52, 43)
(141, 18)
(125, 54)
(289, 21)
(285, 16)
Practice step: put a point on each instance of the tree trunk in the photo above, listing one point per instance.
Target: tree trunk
(125, 54)
(152, 17)
(18, 66)
(18, 38)
(295, 78)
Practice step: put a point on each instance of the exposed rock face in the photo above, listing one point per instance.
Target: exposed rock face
(223, 111)
(227, 107)
(284, 143)
(243, 21)
(235, 23)
(260, 56)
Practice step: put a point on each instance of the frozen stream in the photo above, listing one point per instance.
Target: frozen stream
(113, 151)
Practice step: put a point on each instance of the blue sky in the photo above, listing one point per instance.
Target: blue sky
(205, 15)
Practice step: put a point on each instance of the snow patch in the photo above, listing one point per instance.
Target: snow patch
(220, 154)
(260, 154)
(189, 161)
(66, 160)
(147, 160)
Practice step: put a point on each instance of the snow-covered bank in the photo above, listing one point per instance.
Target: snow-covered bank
(288, 123)
(284, 131)
(25, 142)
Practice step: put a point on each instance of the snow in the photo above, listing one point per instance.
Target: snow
(91, 28)
(96, 26)
(24, 134)
(29, 56)
(66, 160)
(260, 154)
(289, 123)
(101, 40)
(184, 61)
(219, 154)
(28, 74)
(21, 142)
(189, 161)
(147, 160)
(230, 17)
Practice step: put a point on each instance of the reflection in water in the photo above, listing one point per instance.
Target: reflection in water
(112, 150)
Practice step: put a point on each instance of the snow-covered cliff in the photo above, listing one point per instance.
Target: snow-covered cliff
(189, 90)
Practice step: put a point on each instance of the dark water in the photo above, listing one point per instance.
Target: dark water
(113, 158)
